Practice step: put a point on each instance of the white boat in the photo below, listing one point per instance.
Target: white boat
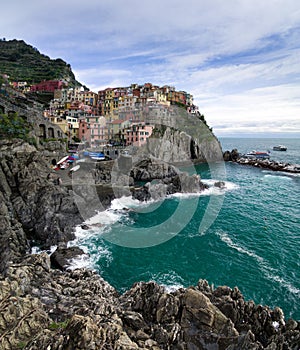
(75, 168)
(62, 160)
(257, 155)
(279, 148)
(98, 158)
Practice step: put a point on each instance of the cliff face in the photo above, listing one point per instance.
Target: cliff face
(33, 206)
(43, 308)
(181, 138)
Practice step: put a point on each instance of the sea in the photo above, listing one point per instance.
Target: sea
(246, 234)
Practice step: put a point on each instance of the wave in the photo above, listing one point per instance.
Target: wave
(211, 191)
(268, 271)
(171, 281)
(278, 177)
(82, 261)
(121, 207)
(281, 174)
(38, 250)
(228, 186)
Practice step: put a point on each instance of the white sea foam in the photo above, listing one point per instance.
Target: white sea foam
(229, 186)
(281, 174)
(124, 202)
(226, 239)
(171, 281)
(211, 191)
(79, 262)
(38, 250)
(268, 271)
(278, 177)
(84, 240)
(35, 250)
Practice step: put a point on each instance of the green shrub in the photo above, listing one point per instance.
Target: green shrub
(58, 325)
(13, 126)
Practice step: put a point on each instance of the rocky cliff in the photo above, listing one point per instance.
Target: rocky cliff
(43, 307)
(181, 138)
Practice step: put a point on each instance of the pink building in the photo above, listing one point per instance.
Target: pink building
(99, 133)
(137, 134)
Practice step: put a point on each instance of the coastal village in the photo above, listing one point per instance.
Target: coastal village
(114, 116)
(47, 304)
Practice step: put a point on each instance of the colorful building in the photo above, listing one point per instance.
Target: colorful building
(47, 86)
(99, 134)
(84, 131)
(138, 134)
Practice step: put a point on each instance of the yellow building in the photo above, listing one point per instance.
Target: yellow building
(62, 123)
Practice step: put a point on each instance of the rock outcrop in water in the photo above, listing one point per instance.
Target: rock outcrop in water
(235, 156)
(47, 308)
(163, 179)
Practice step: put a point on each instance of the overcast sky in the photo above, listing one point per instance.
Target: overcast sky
(239, 58)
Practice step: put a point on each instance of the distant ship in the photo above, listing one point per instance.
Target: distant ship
(279, 148)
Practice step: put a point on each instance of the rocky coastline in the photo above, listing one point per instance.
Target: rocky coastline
(45, 305)
(235, 156)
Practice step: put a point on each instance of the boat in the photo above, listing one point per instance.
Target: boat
(75, 168)
(257, 155)
(96, 155)
(279, 148)
(62, 160)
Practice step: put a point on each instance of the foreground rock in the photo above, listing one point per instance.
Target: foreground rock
(47, 308)
(34, 208)
(42, 308)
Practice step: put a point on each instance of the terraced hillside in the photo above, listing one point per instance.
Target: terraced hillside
(23, 62)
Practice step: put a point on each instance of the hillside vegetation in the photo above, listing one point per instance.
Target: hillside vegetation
(23, 62)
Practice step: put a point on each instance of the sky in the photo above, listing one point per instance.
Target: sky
(240, 59)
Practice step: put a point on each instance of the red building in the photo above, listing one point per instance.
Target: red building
(47, 86)
(84, 133)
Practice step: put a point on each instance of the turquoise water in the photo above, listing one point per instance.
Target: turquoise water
(253, 242)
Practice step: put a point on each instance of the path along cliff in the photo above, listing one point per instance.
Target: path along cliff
(47, 308)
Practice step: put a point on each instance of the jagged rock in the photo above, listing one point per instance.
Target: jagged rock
(134, 320)
(231, 155)
(46, 212)
(149, 169)
(165, 179)
(62, 257)
(43, 308)
(219, 184)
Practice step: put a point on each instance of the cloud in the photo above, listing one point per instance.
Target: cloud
(240, 59)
